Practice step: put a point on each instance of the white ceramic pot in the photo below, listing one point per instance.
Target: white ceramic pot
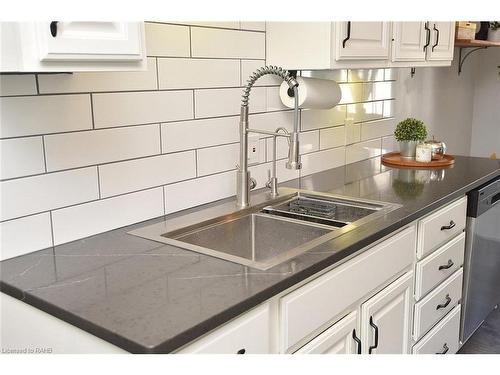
(494, 35)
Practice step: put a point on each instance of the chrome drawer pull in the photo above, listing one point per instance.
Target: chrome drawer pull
(446, 227)
(445, 349)
(449, 265)
(443, 305)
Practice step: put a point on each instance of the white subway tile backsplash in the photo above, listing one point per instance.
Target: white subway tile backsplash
(363, 150)
(22, 84)
(225, 102)
(322, 118)
(389, 144)
(29, 195)
(332, 137)
(389, 108)
(202, 133)
(133, 175)
(391, 74)
(21, 236)
(99, 81)
(84, 220)
(32, 115)
(322, 160)
(219, 43)
(186, 194)
(378, 91)
(133, 108)
(167, 40)
(253, 25)
(198, 73)
(220, 24)
(351, 92)
(365, 111)
(272, 120)
(352, 131)
(366, 75)
(217, 159)
(377, 128)
(21, 157)
(64, 151)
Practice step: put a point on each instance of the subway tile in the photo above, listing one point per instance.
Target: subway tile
(198, 73)
(366, 75)
(29, 195)
(391, 74)
(272, 120)
(248, 67)
(389, 144)
(99, 81)
(363, 150)
(322, 118)
(217, 159)
(132, 175)
(221, 24)
(225, 102)
(79, 149)
(22, 84)
(167, 40)
(352, 131)
(378, 91)
(186, 194)
(332, 137)
(322, 160)
(253, 25)
(351, 92)
(389, 108)
(338, 75)
(308, 142)
(202, 133)
(22, 236)
(130, 108)
(32, 115)
(377, 128)
(84, 220)
(273, 99)
(227, 43)
(365, 111)
(21, 157)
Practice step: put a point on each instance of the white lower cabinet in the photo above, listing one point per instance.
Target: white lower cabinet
(385, 319)
(338, 339)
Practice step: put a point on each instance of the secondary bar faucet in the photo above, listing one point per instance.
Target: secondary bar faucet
(244, 181)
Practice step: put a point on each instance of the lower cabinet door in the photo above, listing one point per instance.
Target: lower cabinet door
(385, 319)
(338, 339)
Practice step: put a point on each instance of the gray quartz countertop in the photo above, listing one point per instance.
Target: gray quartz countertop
(148, 297)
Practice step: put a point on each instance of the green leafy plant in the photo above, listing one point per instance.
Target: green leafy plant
(410, 130)
(495, 25)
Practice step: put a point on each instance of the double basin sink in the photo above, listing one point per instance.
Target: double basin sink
(272, 232)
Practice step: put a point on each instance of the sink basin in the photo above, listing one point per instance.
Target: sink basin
(270, 233)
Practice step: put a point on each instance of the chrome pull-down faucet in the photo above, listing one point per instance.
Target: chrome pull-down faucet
(243, 175)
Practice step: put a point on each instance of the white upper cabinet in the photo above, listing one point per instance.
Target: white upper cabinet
(441, 41)
(362, 40)
(409, 41)
(72, 46)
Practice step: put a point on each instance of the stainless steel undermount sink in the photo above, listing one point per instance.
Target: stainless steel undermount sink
(265, 235)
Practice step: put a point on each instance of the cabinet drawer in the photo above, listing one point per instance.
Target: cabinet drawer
(248, 334)
(438, 266)
(440, 226)
(312, 306)
(437, 304)
(338, 339)
(443, 337)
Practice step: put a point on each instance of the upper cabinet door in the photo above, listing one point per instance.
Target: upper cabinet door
(441, 41)
(362, 40)
(409, 40)
(385, 319)
(89, 41)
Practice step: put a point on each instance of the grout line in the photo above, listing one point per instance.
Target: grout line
(161, 142)
(52, 229)
(164, 192)
(157, 74)
(190, 43)
(44, 153)
(98, 182)
(37, 84)
(196, 162)
(92, 110)
(194, 104)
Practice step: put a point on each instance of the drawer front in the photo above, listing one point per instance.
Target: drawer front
(438, 266)
(439, 227)
(338, 339)
(437, 304)
(443, 338)
(247, 334)
(314, 305)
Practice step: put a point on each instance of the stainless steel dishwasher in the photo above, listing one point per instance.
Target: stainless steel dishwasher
(481, 293)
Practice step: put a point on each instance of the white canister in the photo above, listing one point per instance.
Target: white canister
(424, 153)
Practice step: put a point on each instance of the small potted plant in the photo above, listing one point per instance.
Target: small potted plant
(494, 31)
(409, 133)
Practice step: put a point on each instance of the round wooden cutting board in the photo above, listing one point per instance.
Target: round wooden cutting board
(394, 159)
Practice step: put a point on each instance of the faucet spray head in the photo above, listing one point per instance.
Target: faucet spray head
(293, 152)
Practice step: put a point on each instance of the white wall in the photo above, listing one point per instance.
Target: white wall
(84, 153)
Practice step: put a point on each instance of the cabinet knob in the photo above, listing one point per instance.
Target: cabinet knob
(53, 28)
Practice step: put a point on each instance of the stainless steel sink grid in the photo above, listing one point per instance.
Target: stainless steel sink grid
(265, 235)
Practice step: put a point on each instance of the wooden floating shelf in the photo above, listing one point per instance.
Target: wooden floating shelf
(464, 43)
